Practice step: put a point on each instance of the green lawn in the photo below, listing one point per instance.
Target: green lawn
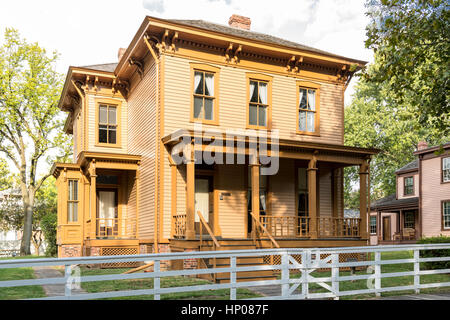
(385, 282)
(136, 284)
(18, 274)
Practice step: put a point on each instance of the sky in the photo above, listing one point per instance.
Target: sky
(86, 32)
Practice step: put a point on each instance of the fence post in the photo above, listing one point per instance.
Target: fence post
(68, 281)
(233, 278)
(416, 271)
(335, 275)
(157, 280)
(284, 275)
(306, 256)
(377, 273)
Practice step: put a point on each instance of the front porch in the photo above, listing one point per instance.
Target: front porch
(397, 221)
(301, 205)
(98, 204)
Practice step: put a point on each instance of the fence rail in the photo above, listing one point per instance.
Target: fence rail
(311, 259)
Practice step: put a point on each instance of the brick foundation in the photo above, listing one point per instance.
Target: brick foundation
(69, 250)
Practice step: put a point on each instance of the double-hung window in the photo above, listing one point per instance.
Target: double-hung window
(107, 124)
(373, 224)
(446, 215)
(308, 101)
(258, 104)
(446, 169)
(204, 95)
(205, 91)
(72, 201)
(408, 186)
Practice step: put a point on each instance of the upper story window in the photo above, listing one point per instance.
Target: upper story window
(308, 101)
(203, 95)
(259, 101)
(446, 169)
(408, 184)
(72, 202)
(258, 104)
(107, 124)
(205, 106)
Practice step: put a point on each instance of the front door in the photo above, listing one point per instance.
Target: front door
(386, 228)
(202, 202)
(107, 214)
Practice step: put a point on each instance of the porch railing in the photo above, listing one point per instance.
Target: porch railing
(179, 226)
(115, 228)
(338, 227)
(286, 226)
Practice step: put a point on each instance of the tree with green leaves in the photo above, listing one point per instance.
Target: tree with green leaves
(30, 122)
(411, 42)
(5, 175)
(376, 119)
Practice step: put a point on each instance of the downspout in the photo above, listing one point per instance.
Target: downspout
(157, 63)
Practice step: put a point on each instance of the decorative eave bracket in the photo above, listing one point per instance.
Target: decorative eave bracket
(294, 64)
(233, 55)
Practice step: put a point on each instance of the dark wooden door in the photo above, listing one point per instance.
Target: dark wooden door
(386, 228)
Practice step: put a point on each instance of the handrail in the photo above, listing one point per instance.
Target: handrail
(265, 230)
(203, 221)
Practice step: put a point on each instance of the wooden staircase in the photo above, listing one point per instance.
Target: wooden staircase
(240, 262)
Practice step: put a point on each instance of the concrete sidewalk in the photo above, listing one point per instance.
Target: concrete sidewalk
(53, 290)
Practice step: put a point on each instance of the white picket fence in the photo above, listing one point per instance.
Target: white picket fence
(290, 287)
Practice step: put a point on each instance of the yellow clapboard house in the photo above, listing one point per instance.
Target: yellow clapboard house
(125, 193)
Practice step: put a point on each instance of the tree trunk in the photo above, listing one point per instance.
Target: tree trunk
(27, 224)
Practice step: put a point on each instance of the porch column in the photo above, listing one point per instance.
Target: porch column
(379, 233)
(173, 168)
(312, 198)
(402, 223)
(363, 172)
(190, 199)
(138, 192)
(93, 196)
(255, 192)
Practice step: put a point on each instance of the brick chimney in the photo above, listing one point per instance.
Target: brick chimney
(121, 52)
(239, 22)
(422, 145)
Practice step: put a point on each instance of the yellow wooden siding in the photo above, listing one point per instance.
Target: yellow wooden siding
(92, 133)
(233, 207)
(141, 137)
(282, 190)
(325, 192)
(233, 103)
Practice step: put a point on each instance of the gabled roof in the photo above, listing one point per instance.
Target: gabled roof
(413, 165)
(252, 35)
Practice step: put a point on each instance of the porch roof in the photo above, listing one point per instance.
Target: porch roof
(113, 161)
(288, 148)
(392, 203)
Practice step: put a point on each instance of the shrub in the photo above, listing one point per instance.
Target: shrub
(48, 225)
(435, 253)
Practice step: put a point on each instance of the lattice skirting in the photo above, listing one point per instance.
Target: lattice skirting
(119, 251)
(343, 257)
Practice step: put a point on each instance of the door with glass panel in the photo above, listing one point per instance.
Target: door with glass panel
(203, 202)
(107, 213)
